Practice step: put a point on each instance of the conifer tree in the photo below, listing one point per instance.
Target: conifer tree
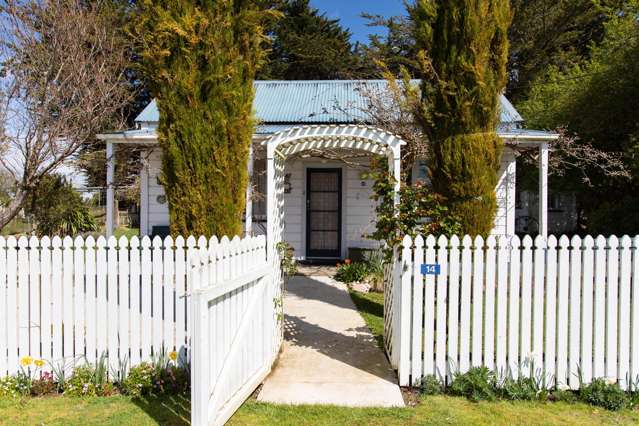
(463, 46)
(307, 45)
(200, 57)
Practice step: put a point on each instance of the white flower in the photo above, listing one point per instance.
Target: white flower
(563, 387)
(611, 380)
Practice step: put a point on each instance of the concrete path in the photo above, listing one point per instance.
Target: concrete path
(329, 354)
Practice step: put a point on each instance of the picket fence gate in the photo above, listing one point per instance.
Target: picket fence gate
(69, 301)
(562, 311)
(236, 328)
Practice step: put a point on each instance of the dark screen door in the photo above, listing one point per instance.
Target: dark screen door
(324, 213)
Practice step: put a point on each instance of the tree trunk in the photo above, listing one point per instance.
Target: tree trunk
(9, 212)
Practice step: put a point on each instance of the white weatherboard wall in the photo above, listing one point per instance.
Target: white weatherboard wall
(555, 309)
(158, 213)
(358, 210)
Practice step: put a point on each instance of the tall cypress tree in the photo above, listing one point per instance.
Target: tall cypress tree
(463, 46)
(200, 57)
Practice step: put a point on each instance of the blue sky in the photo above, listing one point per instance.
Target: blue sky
(349, 11)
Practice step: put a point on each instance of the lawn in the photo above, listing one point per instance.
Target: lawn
(120, 410)
(114, 410)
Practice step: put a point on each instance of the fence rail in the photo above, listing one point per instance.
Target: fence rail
(63, 300)
(562, 310)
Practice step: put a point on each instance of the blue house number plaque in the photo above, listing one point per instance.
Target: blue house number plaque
(431, 269)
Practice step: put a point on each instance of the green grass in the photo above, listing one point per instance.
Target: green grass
(113, 410)
(371, 307)
(121, 410)
(435, 410)
(127, 232)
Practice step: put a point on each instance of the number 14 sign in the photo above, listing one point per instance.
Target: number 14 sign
(428, 269)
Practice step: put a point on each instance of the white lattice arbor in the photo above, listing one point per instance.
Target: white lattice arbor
(294, 141)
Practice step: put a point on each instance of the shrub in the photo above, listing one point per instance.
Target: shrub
(11, 387)
(81, 382)
(431, 386)
(44, 385)
(602, 394)
(561, 395)
(522, 389)
(477, 384)
(375, 261)
(172, 379)
(139, 381)
(351, 272)
(58, 208)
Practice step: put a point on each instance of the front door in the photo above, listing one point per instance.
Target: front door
(324, 213)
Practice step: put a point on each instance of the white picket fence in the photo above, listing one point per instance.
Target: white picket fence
(236, 327)
(64, 300)
(565, 311)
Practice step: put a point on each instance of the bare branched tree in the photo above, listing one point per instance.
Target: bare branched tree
(391, 108)
(64, 79)
(569, 153)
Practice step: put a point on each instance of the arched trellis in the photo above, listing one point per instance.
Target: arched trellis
(284, 144)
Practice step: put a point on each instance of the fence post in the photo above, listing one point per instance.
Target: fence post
(405, 312)
(417, 312)
(429, 310)
(199, 345)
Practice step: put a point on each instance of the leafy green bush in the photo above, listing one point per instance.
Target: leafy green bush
(417, 202)
(158, 377)
(44, 385)
(81, 382)
(522, 389)
(11, 387)
(431, 385)
(139, 381)
(172, 379)
(477, 384)
(602, 394)
(87, 380)
(375, 261)
(561, 395)
(351, 272)
(58, 208)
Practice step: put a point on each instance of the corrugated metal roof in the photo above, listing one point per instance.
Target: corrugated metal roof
(318, 101)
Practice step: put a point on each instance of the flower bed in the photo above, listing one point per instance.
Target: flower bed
(163, 375)
(481, 384)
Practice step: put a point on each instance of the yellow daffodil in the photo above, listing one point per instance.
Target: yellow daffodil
(39, 363)
(173, 355)
(26, 361)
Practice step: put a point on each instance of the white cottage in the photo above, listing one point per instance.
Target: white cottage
(319, 203)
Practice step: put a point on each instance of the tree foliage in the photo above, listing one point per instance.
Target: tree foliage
(393, 51)
(555, 33)
(598, 101)
(201, 57)
(463, 48)
(307, 45)
(58, 209)
(63, 80)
